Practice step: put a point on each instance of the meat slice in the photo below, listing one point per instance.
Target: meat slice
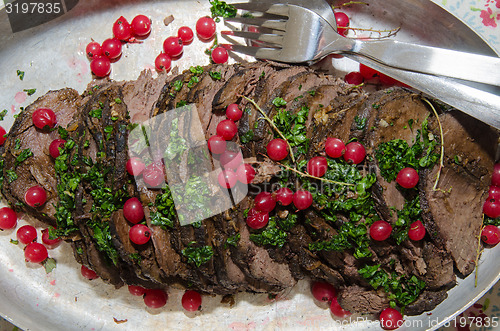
(38, 169)
(141, 94)
(462, 187)
(427, 301)
(391, 112)
(262, 273)
(357, 299)
(439, 267)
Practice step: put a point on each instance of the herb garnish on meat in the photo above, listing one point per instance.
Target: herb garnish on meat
(402, 289)
(292, 126)
(197, 255)
(410, 213)
(271, 235)
(165, 215)
(23, 156)
(396, 154)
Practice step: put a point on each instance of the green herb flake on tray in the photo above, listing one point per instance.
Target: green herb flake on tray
(222, 9)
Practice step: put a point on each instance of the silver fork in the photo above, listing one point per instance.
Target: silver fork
(301, 35)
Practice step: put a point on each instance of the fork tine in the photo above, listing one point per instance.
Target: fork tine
(264, 37)
(257, 52)
(257, 21)
(268, 8)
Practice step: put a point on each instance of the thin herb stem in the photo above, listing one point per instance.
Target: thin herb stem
(314, 177)
(350, 3)
(390, 32)
(441, 159)
(272, 125)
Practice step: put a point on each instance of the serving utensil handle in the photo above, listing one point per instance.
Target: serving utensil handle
(431, 60)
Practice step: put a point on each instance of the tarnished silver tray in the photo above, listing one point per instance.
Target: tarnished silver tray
(53, 56)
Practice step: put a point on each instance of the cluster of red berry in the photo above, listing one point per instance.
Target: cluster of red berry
(491, 208)
(173, 46)
(390, 318)
(101, 55)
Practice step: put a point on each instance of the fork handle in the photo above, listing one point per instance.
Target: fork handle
(431, 60)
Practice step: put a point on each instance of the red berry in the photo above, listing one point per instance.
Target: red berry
(342, 23)
(354, 153)
(133, 211)
(35, 253)
(8, 218)
(50, 243)
(136, 290)
(390, 319)
(139, 234)
(54, 147)
(334, 147)
(494, 193)
(93, 49)
(386, 80)
(245, 173)
(284, 196)
(380, 230)
(257, 220)
(191, 300)
(277, 149)
(231, 160)
(317, 166)
(407, 178)
(155, 298)
(217, 144)
(227, 178)
(354, 78)
(302, 199)
(186, 34)
(227, 129)
(135, 166)
(122, 30)
(492, 208)
(100, 66)
(205, 28)
(141, 25)
(495, 176)
(367, 72)
(337, 310)
(172, 46)
(491, 235)
(416, 231)
(26, 234)
(153, 175)
(2, 135)
(323, 291)
(44, 117)
(88, 273)
(111, 48)
(233, 112)
(264, 202)
(220, 55)
(163, 62)
(35, 196)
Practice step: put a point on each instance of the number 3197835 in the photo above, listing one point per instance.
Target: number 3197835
(33, 8)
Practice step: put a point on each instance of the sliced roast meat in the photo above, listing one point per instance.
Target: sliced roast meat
(427, 301)
(461, 190)
(392, 115)
(357, 299)
(22, 171)
(99, 123)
